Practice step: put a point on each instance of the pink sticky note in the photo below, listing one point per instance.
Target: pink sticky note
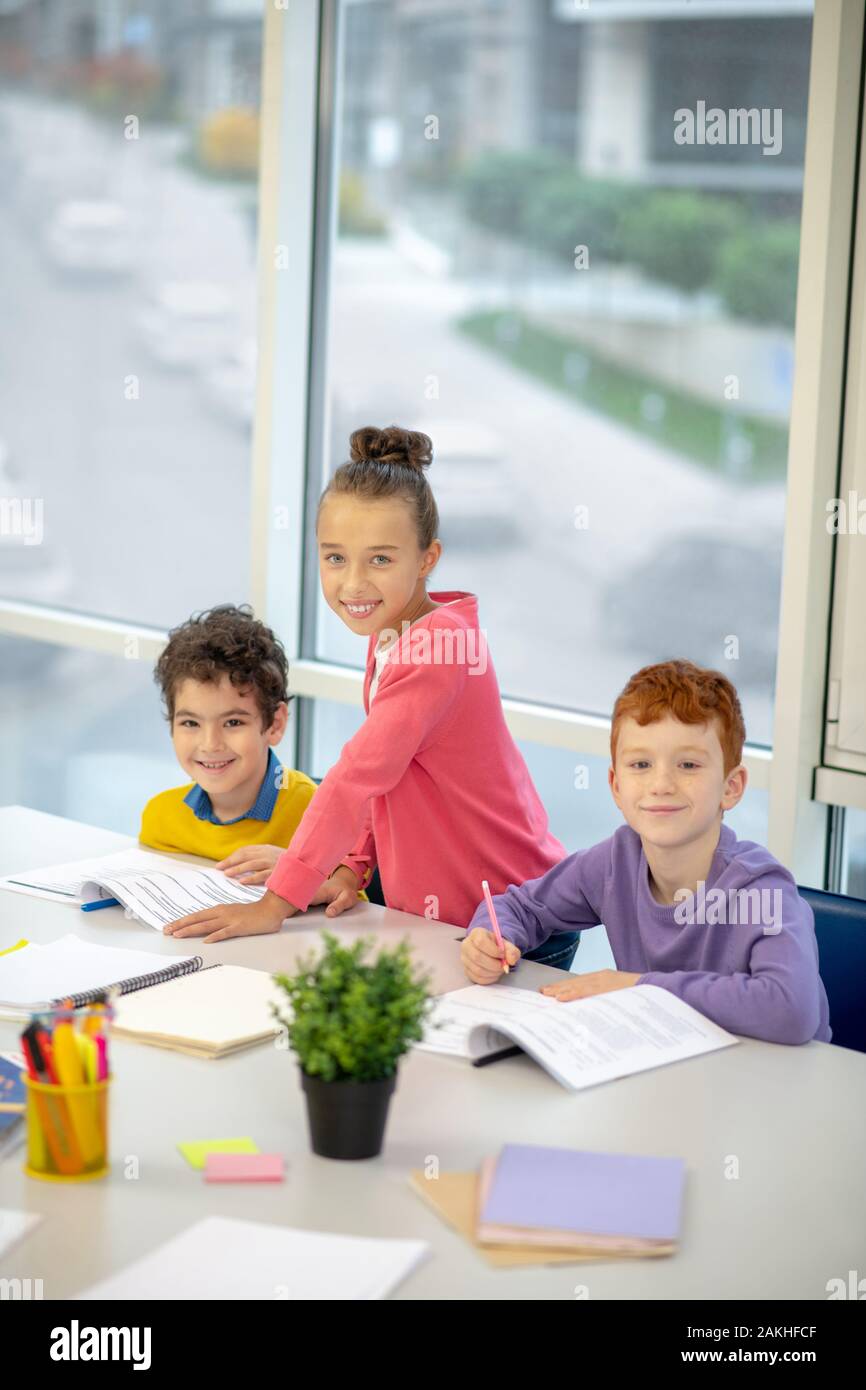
(243, 1168)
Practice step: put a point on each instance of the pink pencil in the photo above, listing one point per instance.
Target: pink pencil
(496, 932)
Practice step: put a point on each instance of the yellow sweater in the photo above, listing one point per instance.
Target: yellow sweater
(167, 823)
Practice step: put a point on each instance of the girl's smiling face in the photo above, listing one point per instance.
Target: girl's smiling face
(372, 568)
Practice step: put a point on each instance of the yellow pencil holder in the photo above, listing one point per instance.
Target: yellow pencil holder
(67, 1131)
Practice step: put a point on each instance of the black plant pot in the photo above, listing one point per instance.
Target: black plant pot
(347, 1118)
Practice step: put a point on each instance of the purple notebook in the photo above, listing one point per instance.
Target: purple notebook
(589, 1193)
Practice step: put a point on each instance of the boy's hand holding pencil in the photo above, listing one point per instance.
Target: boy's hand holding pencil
(486, 956)
(482, 958)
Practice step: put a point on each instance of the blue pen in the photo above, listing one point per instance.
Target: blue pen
(102, 902)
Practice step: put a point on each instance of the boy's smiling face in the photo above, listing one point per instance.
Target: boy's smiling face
(372, 568)
(220, 743)
(669, 780)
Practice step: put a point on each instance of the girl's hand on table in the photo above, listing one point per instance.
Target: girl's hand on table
(234, 919)
(340, 891)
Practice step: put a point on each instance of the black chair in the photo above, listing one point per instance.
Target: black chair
(840, 926)
(374, 890)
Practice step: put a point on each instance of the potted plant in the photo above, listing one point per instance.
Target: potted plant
(349, 1021)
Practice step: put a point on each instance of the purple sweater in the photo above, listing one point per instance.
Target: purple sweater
(749, 963)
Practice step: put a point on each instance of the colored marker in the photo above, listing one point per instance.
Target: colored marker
(52, 1113)
(95, 1017)
(88, 1057)
(101, 902)
(71, 1073)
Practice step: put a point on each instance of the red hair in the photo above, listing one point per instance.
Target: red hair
(689, 693)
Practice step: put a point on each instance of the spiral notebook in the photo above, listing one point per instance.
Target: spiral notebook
(37, 977)
(211, 1014)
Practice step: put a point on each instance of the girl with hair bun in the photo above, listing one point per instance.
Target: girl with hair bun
(432, 787)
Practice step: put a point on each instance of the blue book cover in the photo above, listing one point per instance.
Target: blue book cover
(11, 1093)
(597, 1194)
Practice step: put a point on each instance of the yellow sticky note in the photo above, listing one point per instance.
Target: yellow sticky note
(7, 950)
(196, 1150)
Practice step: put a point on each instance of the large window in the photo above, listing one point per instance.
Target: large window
(90, 741)
(541, 259)
(564, 239)
(128, 162)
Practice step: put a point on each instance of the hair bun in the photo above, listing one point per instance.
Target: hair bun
(392, 445)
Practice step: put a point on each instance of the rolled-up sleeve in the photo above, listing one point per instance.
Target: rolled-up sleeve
(414, 701)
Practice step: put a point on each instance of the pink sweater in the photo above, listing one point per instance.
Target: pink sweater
(432, 786)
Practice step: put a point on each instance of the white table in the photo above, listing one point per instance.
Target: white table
(793, 1118)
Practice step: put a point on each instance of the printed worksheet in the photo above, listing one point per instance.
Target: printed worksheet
(161, 896)
(581, 1043)
(155, 888)
(63, 882)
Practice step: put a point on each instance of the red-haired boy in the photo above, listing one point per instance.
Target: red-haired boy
(687, 906)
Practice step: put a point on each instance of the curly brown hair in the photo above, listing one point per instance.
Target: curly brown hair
(226, 640)
(390, 463)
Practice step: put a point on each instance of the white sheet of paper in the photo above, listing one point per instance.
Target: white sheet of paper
(228, 1259)
(14, 1226)
(581, 1043)
(37, 974)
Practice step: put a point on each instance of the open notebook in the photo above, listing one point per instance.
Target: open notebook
(37, 977)
(581, 1043)
(208, 1011)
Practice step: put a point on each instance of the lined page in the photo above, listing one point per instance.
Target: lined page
(161, 896)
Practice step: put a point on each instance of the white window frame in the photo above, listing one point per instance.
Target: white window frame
(841, 778)
(298, 49)
(799, 825)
